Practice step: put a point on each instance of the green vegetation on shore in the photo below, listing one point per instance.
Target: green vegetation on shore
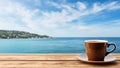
(9, 34)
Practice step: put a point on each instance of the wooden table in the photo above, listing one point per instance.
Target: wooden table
(50, 61)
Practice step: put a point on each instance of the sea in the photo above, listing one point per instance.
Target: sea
(51, 45)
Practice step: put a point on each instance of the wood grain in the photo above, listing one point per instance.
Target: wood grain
(50, 61)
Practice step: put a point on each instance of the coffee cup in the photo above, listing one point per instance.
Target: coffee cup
(97, 49)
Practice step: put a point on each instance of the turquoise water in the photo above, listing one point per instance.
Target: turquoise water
(51, 45)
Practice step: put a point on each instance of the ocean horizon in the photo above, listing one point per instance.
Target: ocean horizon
(51, 45)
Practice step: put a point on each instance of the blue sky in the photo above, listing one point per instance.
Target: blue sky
(62, 18)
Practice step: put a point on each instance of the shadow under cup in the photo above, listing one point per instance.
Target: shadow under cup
(97, 49)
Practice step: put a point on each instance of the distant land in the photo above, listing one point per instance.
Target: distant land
(10, 34)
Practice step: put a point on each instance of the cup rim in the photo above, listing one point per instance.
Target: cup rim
(96, 41)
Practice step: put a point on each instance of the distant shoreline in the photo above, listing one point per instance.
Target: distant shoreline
(11, 34)
(27, 38)
(59, 37)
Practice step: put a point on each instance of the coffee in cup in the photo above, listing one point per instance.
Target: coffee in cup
(97, 49)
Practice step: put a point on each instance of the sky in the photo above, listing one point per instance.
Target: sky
(62, 18)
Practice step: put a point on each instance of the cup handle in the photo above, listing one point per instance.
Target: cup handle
(112, 49)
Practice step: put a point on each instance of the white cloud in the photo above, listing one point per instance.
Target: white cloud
(17, 12)
(81, 6)
(107, 6)
(54, 23)
(96, 30)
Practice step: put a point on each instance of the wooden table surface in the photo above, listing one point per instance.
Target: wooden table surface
(50, 61)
